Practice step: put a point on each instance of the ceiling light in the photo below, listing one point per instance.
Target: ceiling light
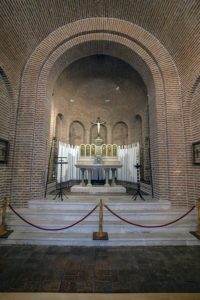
(71, 100)
(107, 100)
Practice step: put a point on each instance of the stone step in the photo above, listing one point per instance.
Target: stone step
(109, 225)
(41, 216)
(87, 205)
(56, 214)
(115, 239)
(106, 220)
(108, 228)
(68, 215)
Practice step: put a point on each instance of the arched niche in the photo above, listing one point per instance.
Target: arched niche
(120, 133)
(58, 127)
(94, 133)
(76, 133)
(138, 129)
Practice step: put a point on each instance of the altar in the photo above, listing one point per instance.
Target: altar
(96, 162)
(98, 157)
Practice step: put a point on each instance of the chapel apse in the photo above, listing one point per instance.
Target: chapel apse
(101, 85)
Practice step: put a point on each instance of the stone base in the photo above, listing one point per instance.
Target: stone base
(195, 233)
(6, 234)
(102, 237)
(98, 189)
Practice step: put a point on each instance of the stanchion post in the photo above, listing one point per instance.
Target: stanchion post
(197, 233)
(100, 235)
(4, 233)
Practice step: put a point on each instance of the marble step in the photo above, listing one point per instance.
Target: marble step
(130, 214)
(109, 225)
(115, 239)
(109, 228)
(56, 218)
(56, 214)
(74, 205)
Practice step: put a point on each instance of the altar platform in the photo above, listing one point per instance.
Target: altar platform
(98, 189)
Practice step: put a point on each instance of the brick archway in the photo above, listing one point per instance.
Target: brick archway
(192, 134)
(144, 53)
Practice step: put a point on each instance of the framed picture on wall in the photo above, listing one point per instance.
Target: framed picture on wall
(3, 151)
(196, 153)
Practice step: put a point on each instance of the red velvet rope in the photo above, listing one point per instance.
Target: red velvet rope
(148, 226)
(52, 229)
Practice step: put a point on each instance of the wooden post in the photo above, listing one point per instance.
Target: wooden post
(4, 233)
(100, 235)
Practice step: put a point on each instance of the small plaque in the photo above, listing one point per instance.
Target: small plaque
(109, 150)
(88, 148)
(93, 150)
(82, 150)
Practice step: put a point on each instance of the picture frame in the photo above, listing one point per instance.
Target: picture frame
(196, 153)
(4, 148)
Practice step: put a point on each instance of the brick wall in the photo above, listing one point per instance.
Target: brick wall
(4, 127)
(7, 132)
(193, 135)
(163, 48)
(35, 124)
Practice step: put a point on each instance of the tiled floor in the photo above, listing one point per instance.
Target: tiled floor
(99, 270)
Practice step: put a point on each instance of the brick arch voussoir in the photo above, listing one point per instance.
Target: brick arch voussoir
(149, 61)
(95, 25)
(162, 69)
(193, 184)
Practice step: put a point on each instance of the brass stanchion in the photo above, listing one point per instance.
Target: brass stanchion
(197, 233)
(100, 235)
(4, 233)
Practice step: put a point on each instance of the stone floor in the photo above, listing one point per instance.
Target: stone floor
(101, 296)
(99, 270)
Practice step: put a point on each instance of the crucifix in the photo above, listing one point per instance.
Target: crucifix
(98, 123)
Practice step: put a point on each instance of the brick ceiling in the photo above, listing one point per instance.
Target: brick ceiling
(24, 24)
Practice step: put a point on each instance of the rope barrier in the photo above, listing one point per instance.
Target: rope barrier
(110, 210)
(52, 229)
(148, 226)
